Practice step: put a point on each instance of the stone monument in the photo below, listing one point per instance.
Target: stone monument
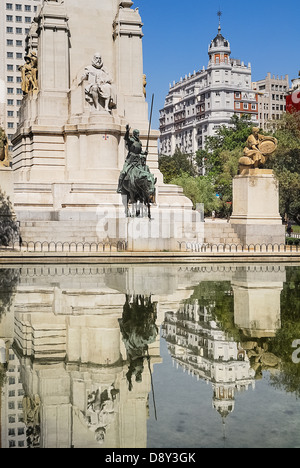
(69, 147)
(256, 218)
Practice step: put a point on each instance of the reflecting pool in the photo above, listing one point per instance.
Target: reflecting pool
(150, 356)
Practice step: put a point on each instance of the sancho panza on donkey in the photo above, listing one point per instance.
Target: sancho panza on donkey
(136, 182)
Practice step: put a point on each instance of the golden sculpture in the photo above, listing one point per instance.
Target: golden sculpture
(258, 149)
(4, 161)
(29, 73)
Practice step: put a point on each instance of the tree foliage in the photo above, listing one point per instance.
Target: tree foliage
(286, 165)
(173, 166)
(9, 230)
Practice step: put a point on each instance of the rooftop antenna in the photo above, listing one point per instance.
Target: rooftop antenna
(219, 15)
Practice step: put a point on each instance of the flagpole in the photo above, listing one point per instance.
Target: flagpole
(150, 123)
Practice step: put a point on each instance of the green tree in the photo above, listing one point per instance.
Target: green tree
(173, 166)
(9, 230)
(286, 165)
(198, 190)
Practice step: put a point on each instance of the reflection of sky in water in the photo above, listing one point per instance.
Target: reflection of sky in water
(264, 417)
(83, 342)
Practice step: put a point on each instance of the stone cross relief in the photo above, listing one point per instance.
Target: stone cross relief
(100, 90)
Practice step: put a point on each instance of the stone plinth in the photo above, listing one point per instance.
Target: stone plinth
(255, 216)
(7, 182)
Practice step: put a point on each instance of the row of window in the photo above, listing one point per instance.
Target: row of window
(10, 55)
(10, 79)
(18, 19)
(11, 102)
(12, 90)
(245, 106)
(10, 43)
(10, 30)
(19, 7)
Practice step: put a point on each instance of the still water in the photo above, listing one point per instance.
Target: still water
(150, 356)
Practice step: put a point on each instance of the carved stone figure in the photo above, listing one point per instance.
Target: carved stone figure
(100, 90)
(136, 181)
(29, 73)
(3, 149)
(258, 149)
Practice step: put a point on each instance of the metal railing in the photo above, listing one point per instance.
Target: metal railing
(236, 248)
(68, 247)
(122, 246)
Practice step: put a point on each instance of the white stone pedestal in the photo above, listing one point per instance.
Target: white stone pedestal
(7, 183)
(255, 216)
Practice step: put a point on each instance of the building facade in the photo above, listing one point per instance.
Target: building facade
(272, 91)
(15, 20)
(199, 104)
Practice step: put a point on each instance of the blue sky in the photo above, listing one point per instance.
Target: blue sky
(177, 34)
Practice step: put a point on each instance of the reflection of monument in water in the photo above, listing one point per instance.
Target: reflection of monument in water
(86, 341)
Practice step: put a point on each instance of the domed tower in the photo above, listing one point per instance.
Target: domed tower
(219, 50)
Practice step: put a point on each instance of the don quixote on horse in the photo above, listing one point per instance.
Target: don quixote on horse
(136, 182)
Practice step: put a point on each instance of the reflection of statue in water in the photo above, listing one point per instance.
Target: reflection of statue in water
(29, 73)
(100, 88)
(138, 330)
(31, 410)
(258, 149)
(136, 181)
(3, 149)
(101, 410)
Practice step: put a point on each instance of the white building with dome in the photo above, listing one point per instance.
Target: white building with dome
(202, 102)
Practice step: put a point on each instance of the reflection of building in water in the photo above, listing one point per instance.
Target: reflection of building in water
(200, 347)
(65, 326)
(13, 429)
(73, 362)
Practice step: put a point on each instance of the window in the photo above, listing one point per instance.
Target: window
(10, 79)
(246, 106)
(27, 19)
(19, 91)
(10, 67)
(10, 113)
(19, 55)
(10, 102)
(9, 6)
(18, 7)
(19, 30)
(9, 30)
(19, 19)
(10, 125)
(9, 42)
(253, 106)
(9, 18)
(10, 55)
(19, 43)
(27, 7)
(10, 90)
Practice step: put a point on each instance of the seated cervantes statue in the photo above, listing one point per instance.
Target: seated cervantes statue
(258, 149)
(100, 91)
(4, 161)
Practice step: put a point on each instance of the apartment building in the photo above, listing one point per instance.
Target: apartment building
(15, 20)
(202, 102)
(272, 91)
